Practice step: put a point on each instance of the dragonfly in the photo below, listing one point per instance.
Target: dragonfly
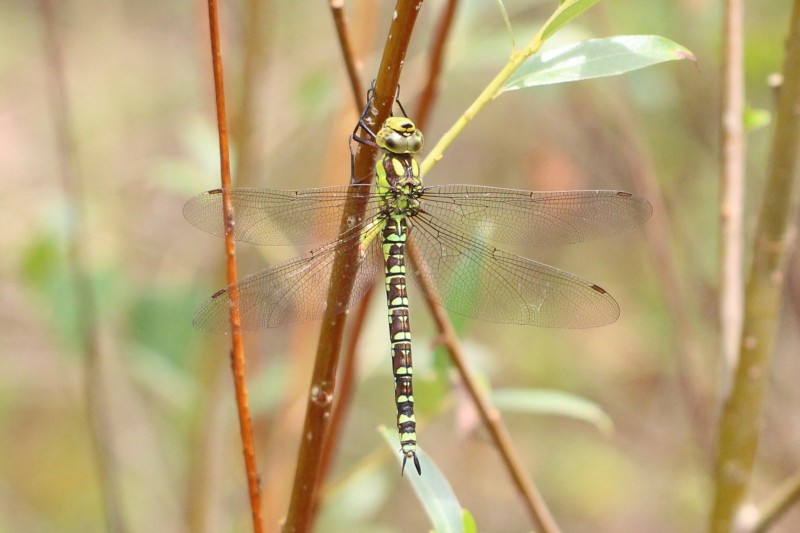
(452, 228)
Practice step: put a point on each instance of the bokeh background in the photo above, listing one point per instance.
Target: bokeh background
(138, 82)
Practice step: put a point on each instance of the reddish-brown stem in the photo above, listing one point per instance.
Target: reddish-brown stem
(318, 408)
(344, 394)
(345, 44)
(428, 96)
(491, 418)
(347, 374)
(237, 348)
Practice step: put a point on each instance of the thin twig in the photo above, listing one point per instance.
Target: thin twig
(435, 59)
(491, 91)
(346, 46)
(731, 274)
(83, 297)
(237, 348)
(491, 417)
(318, 408)
(781, 499)
(205, 422)
(739, 424)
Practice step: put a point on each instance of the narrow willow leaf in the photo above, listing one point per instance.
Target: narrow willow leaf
(552, 402)
(501, 6)
(432, 489)
(596, 58)
(568, 10)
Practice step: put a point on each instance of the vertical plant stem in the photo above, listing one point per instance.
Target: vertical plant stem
(344, 396)
(346, 46)
(739, 423)
(83, 293)
(732, 190)
(206, 422)
(318, 408)
(237, 348)
(435, 60)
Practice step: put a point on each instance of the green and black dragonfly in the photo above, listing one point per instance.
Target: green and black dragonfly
(451, 228)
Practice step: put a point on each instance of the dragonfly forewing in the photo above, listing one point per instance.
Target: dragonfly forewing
(298, 290)
(272, 217)
(532, 218)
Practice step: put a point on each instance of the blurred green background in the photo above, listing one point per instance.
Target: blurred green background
(139, 84)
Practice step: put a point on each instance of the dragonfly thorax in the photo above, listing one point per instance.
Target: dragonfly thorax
(400, 184)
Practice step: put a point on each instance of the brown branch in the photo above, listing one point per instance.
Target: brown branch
(205, 422)
(428, 96)
(83, 297)
(344, 394)
(346, 46)
(739, 424)
(318, 408)
(731, 275)
(491, 417)
(346, 377)
(237, 348)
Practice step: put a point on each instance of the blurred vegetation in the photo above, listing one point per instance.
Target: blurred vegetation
(139, 82)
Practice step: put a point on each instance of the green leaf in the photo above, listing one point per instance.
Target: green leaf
(432, 489)
(568, 10)
(501, 6)
(596, 58)
(552, 402)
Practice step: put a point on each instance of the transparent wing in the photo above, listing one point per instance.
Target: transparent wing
(297, 290)
(534, 218)
(473, 279)
(266, 216)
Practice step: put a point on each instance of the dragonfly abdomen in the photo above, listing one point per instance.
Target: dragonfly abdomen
(394, 240)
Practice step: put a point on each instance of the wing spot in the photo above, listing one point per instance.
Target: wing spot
(599, 289)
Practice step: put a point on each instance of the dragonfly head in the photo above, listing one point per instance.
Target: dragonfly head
(399, 135)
